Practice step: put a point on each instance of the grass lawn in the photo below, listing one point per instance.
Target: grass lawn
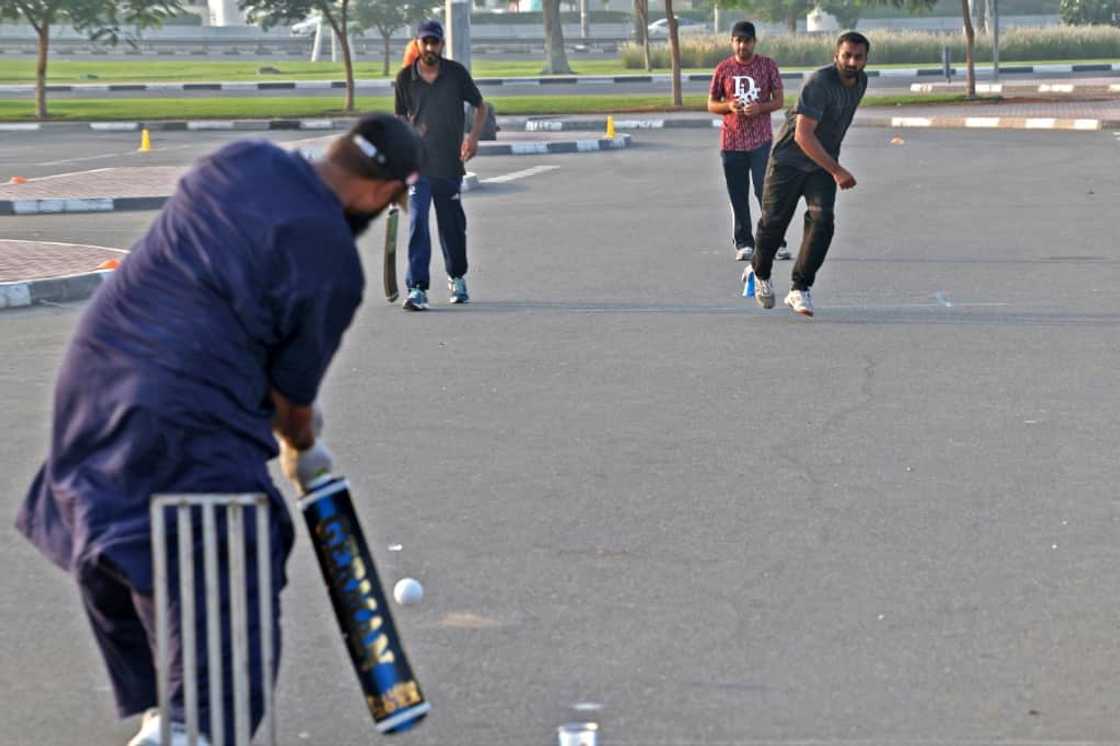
(324, 106)
(16, 71)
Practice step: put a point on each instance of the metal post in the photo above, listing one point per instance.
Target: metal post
(239, 622)
(187, 627)
(717, 21)
(264, 609)
(458, 31)
(945, 67)
(213, 625)
(584, 21)
(995, 40)
(163, 611)
(317, 45)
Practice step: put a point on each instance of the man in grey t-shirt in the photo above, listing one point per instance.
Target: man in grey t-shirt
(804, 163)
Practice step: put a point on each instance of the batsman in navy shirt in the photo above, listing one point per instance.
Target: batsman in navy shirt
(195, 363)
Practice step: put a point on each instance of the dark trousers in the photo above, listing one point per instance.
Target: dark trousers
(740, 168)
(124, 626)
(784, 188)
(445, 193)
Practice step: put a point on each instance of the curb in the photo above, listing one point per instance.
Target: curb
(599, 125)
(1015, 123)
(938, 122)
(54, 205)
(194, 125)
(544, 80)
(1049, 88)
(570, 146)
(21, 294)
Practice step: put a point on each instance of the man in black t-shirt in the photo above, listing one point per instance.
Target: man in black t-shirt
(804, 163)
(430, 93)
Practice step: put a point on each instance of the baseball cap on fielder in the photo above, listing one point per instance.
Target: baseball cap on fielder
(429, 30)
(390, 146)
(742, 30)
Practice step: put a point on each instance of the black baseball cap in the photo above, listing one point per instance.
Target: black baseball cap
(429, 30)
(391, 144)
(742, 30)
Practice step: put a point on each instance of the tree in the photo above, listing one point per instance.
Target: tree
(1085, 12)
(336, 13)
(556, 59)
(969, 48)
(674, 54)
(385, 17)
(100, 19)
(641, 29)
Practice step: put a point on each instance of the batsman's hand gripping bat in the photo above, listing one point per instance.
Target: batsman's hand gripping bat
(392, 693)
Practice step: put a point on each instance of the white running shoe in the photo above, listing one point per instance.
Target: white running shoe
(744, 253)
(148, 735)
(417, 300)
(457, 286)
(764, 292)
(800, 301)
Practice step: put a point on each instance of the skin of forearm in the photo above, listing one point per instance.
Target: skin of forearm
(292, 422)
(479, 121)
(811, 146)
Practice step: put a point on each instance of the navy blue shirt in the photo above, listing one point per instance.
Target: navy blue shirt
(245, 282)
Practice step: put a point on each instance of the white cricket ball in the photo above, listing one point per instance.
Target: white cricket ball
(408, 591)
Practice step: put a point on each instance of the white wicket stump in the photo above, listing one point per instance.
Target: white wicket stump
(234, 506)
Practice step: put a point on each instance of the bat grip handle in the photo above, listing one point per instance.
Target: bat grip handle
(319, 481)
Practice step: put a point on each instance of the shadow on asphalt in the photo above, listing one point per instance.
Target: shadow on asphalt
(871, 314)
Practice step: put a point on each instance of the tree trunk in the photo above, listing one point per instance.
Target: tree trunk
(388, 53)
(641, 15)
(674, 54)
(791, 22)
(969, 45)
(44, 30)
(349, 64)
(556, 60)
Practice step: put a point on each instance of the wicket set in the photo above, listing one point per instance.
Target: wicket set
(234, 507)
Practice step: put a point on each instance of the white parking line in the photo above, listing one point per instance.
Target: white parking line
(519, 174)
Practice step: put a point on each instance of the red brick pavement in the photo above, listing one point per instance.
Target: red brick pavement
(22, 261)
(140, 181)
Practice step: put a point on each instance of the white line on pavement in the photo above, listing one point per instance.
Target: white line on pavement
(107, 155)
(519, 174)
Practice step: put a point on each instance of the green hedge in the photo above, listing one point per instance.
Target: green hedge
(536, 18)
(898, 47)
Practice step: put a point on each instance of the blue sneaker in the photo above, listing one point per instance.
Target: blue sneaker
(458, 288)
(417, 300)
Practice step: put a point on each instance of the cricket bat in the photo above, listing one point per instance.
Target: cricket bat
(391, 691)
(390, 270)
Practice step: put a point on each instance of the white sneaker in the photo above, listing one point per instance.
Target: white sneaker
(744, 253)
(457, 286)
(800, 301)
(764, 292)
(148, 735)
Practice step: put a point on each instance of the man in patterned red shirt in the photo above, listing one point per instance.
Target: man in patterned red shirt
(745, 89)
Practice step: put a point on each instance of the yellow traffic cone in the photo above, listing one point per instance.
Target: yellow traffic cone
(610, 127)
(145, 141)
